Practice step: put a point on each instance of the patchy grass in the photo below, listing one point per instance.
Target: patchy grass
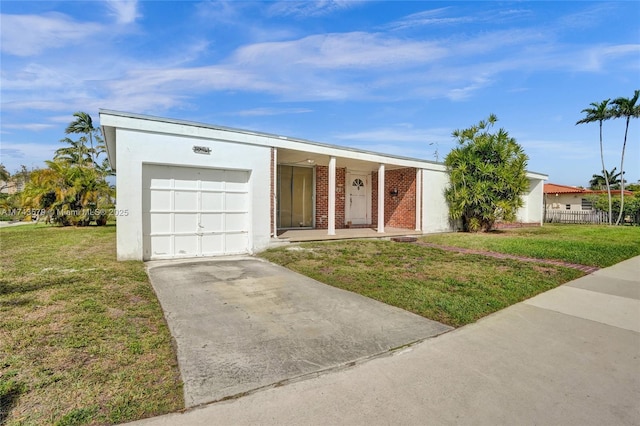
(82, 337)
(593, 245)
(452, 288)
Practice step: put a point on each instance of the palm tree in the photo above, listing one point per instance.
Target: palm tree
(625, 107)
(599, 181)
(83, 124)
(599, 112)
(77, 153)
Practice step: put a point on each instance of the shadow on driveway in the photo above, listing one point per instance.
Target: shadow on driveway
(242, 323)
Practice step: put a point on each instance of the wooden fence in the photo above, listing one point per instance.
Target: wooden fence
(567, 216)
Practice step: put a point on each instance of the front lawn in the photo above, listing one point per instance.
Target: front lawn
(82, 337)
(452, 288)
(594, 245)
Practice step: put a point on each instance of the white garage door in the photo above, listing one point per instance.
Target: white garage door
(190, 212)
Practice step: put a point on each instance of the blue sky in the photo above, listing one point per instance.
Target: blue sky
(392, 77)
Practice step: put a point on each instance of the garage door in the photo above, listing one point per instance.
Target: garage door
(190, 212)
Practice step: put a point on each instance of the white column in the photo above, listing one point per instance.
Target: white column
(381, 198)
(418, 199)
(275, 192)
(332, 197)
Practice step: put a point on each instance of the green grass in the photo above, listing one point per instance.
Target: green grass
(82, 337)
(582, 244)
(452, 288)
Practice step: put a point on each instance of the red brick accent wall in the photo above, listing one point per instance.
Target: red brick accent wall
(400, 210)
(322, 197)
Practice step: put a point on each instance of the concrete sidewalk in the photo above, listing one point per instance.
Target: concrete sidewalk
(569, 356)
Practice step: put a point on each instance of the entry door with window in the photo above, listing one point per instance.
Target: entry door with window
(358, 202)
(295, 197)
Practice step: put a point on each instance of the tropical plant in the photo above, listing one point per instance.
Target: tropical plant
(627, 108)
(71, 194)
(487, 176)
(598, 182)
(599, 112)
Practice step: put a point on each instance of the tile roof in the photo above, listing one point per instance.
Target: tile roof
(552, 188)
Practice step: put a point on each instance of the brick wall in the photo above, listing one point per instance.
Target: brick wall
(322, 197)
(400, 210)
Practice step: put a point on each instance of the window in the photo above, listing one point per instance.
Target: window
(568, 207)
(295, 197)
(587, 204)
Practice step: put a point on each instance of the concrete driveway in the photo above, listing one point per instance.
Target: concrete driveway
(241, 324)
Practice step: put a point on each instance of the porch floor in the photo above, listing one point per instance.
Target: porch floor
(299, 235)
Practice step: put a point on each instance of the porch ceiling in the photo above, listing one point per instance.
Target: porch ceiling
(302, 158)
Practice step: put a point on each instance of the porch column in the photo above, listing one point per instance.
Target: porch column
(275, 192)
(418, 199)
(331, 219)
(381, 198)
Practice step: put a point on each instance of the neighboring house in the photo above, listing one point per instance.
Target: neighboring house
(188, 189)
(12, 186)
(562, 197)
(571, 198)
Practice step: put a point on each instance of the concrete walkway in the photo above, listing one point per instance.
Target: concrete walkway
(568, 356)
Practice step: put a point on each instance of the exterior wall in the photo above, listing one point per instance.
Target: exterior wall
(560, 202)
(322, 197)
(400, 210)
(435, 211)
(532, 209)
(138, 147)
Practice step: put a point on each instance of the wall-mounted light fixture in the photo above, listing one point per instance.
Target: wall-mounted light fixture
(394, 192)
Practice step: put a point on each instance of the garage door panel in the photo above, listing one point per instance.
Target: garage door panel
(185, 201)
(212, 201)
(235, 222)
(235, 201)
(185, 245)
(194, 211)
(235, 180)
(235, 243)
(212, 222)
(161, 222)
(161, 245)
(185, 222)
(160, 200)
(213, 244)
(213, 180)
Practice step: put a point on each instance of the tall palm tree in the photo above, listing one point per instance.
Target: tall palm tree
(599, 112)
(599, 181)
(625, 107)
(83, 124)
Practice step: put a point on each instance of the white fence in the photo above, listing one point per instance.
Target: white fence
(567, 216)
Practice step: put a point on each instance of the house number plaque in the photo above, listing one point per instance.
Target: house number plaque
(201, 149)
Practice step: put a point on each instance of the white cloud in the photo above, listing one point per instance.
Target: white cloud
(270, 111)
(340, 50)
(125, 11)
(310, 8)
(28, 35)
(30, 126)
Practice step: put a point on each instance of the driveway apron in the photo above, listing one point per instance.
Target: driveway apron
(241, 324)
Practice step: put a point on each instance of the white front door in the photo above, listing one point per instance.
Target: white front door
(358, 202)
(190, 212)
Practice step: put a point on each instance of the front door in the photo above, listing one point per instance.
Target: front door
(358, 202)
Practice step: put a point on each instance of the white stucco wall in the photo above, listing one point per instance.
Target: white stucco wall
(138, 147)
(435, 211)
(533, 207)
(560, 202)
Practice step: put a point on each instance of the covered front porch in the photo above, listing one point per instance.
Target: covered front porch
(350, 194)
